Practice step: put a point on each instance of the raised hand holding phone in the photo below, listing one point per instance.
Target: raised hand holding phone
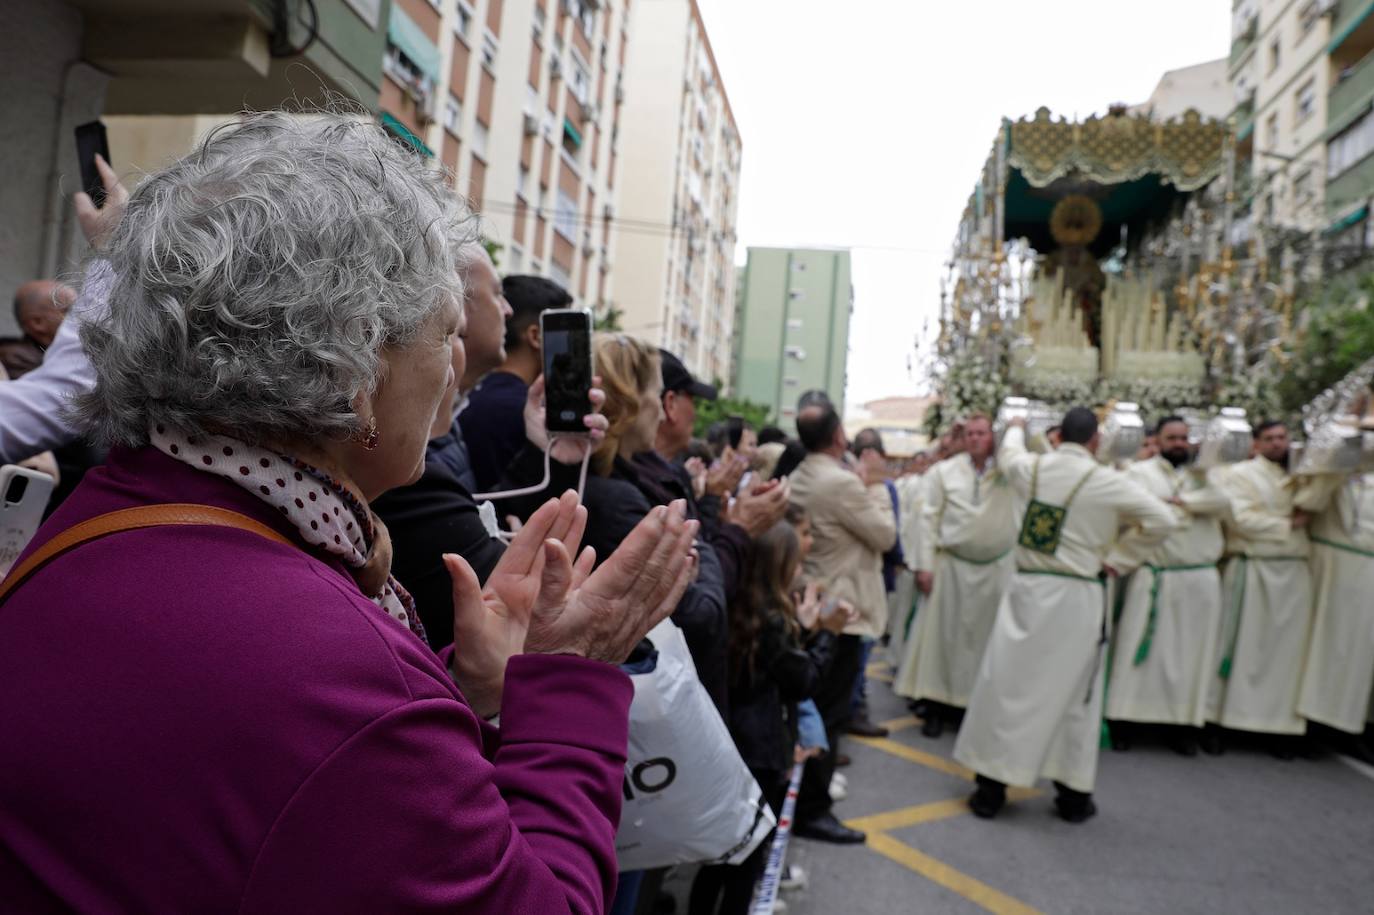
(567, 344)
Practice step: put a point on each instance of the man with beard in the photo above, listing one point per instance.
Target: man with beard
(964, 565)
(1166, 636)
(1267, 596)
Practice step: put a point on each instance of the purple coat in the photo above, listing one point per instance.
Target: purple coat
(200, 720)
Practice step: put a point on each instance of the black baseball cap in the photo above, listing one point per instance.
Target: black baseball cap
(677, 378)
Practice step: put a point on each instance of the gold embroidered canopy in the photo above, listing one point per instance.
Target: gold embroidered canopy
(1187, 152)
(1132, 169)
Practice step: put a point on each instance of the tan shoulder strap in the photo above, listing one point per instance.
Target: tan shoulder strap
(130, 519)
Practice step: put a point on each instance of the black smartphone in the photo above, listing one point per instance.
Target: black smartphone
(91, 139)
(566, 335)
(734, 430)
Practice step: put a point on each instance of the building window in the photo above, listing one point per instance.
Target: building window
(580, 80)
(1350, 146)
(585, 14)
(404, 70)
(1274, 55)
(479, 140)
(489, 49)
(522, 183)
(1307, 17)
(1306, 100)
(1271, 131)
(572, 140)
(1302, 187)
(517, 258)
(462, 25)
(538, 26)
(453, 115)
(565, 216)
(560, 276)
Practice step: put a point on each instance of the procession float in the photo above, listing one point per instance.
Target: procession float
(1113, 262)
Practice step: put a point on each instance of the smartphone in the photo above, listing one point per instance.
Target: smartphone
(91, 139)
(23, 496)
(567, 343)
(734, 430)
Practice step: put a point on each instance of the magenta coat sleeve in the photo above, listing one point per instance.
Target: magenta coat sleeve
(408, 814)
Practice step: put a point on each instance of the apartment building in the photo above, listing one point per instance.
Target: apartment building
(1281, 73)
(793, 313)
(520, 100)
(675, 218)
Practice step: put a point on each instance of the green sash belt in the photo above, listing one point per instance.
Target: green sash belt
(1142, 651)
(1343, 546)
(1233, 612)
(1094, 579)
(977, 562)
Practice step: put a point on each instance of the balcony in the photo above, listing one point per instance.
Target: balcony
(1351, 95)
(1351, 22)
(1243, 42)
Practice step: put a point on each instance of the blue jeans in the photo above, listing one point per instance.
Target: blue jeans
(861, 681)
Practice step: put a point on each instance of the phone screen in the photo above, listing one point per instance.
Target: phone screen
(90, 139)
(734, 427)
(567, 343)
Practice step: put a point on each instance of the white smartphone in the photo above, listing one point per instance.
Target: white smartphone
(24, 495)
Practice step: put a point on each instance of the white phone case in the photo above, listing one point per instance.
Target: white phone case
(20, 519)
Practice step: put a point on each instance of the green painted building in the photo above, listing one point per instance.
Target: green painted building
(792, 327)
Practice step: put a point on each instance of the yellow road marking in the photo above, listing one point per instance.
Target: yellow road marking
(920, 757)
(901, 724)
(909, 816)
(974, 891)
(884, 676)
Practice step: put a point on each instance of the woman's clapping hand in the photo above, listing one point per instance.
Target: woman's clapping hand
(539, 601)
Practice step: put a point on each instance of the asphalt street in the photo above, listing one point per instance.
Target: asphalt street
(1243, 832)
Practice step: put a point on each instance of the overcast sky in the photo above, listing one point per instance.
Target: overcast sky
(865, 124)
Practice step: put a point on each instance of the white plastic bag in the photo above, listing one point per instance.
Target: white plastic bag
(688, 795)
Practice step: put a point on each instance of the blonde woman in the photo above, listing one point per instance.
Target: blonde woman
(618, 495)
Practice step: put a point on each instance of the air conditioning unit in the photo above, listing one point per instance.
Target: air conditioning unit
(608, 211)
(555, 67)
(531, 125)
(590, 113)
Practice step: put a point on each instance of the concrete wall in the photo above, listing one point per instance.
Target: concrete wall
(47, 91)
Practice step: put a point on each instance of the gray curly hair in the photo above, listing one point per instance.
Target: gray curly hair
(257, 280)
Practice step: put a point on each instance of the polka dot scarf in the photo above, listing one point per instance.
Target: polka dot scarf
(325, 513)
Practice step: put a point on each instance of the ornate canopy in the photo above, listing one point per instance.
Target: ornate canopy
(1186, 153)
(1133, 168)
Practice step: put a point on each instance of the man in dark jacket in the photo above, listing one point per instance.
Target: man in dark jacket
(492, 426)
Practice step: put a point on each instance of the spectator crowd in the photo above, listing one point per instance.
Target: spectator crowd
(286, 641)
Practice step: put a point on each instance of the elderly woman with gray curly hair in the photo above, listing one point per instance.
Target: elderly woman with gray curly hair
(216, 697)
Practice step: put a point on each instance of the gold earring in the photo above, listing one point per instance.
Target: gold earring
(368, 436)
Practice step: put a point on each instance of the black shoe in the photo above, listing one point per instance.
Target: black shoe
(933, 726)
(1184, 742)
(1073, 806)
(862, 727)
(990, 798)
(1284, 748)
(825, 828)
(1120, 736)
(1360, 749)
(1212, 742)
(918, 707)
